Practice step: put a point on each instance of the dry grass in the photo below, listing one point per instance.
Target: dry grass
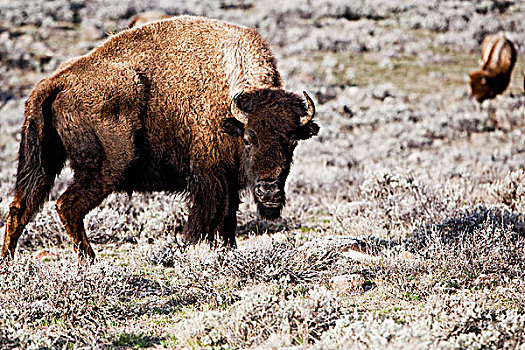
(276, 292)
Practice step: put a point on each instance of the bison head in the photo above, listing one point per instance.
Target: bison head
(269, 122)
(480, 84)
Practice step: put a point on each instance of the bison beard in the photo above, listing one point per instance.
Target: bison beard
(161, 107)
(269, 212)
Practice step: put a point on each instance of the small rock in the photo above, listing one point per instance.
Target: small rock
(46, 255)
(348, 283)
(406, 255)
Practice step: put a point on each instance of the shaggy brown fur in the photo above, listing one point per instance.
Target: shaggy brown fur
(153, 109)
(498, 54)
(146, 17)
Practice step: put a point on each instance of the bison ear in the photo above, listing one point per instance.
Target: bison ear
(306, 131)
(232, 127)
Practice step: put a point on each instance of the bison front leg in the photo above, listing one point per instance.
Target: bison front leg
(227, 224)
(213, 212)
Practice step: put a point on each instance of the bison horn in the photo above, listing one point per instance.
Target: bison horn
(236, 111)
(310, 112)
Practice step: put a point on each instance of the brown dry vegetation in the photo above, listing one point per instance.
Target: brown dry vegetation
(406, 167)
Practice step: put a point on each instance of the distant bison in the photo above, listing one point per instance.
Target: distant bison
(146, 17)
(188, 105)
(498, 56)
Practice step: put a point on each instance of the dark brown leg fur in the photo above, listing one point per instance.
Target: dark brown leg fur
(20, 214)
(228, 222)
(213, 212)
(73, 205)
(17, 219)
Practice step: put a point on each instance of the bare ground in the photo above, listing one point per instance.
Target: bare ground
(407, 169)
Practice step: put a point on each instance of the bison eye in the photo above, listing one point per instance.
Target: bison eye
(249, 138)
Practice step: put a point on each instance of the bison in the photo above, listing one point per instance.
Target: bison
(498, 55)
(188, 104)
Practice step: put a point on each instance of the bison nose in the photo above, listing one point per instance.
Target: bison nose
(268, 191)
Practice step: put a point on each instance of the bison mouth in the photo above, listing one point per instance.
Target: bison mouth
(269, 210)
(270, 198)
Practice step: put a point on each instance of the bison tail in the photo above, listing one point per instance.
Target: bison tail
(41, 155)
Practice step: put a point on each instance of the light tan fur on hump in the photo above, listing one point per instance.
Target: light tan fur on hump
(242, 64)
(497, 52)
(487, 48)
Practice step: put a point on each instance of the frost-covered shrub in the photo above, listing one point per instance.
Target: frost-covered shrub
(511, 190)
(401, 200)
(262, 317)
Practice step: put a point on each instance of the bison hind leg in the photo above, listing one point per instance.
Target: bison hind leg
(21, 211)
(37, 169)
(83, 195)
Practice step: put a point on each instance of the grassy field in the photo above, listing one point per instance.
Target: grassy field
(404, 226)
